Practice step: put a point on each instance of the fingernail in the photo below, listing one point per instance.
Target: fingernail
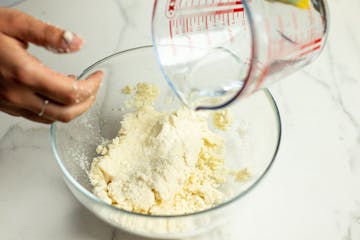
(68, 37)
(71, 41)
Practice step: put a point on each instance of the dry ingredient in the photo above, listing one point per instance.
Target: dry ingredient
(161, 162)
(126, 90)
(222, 119)
(241, 175)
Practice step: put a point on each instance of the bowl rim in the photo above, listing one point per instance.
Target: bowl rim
(229, 202)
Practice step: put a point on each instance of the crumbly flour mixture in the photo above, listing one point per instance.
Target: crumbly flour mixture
(160, 162)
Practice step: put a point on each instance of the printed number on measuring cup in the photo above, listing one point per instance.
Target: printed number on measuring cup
(170, 11)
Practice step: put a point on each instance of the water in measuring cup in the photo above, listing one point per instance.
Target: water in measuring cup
(213, 51)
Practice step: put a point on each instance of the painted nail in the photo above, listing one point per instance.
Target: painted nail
(71, 42)
(68, 37)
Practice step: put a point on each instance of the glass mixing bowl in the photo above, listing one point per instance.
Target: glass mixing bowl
(252, 142)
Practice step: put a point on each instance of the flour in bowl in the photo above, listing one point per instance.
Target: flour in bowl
(160, 163)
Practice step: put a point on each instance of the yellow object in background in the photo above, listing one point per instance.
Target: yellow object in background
(305, 4)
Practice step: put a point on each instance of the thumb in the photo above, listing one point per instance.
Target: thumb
(26, 28)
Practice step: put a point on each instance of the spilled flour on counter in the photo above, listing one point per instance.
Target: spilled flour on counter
(160, 163)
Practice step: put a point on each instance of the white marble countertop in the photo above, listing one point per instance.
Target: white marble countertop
(312, 191)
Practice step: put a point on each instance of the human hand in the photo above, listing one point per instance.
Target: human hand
(27, 87)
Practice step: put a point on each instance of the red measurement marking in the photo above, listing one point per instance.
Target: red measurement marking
(198, 24)
(261, 78)
(212, 5)
(171, 29)
(171, 8)
(182, 25)
(191, 24)
(221, 4)
(211, 9)
(316, 41)
(231, 35)
(243, 19)
(236, 10)
(305, 46)
(310, 51)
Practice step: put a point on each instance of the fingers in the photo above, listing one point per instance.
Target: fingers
(60, 113)
(24, 98)
(14, 111)
(26, 28)
(30, 82)
(20, 67)
(23, 102)
(50, 110)
(62, 89)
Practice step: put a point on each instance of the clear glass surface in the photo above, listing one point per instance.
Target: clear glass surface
(252, 142)
(231, 48)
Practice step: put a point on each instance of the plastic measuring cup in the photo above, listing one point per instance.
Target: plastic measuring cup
(213, 51)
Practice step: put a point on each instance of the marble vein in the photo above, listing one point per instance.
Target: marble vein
(349, 222)
(353, 162)
(14, 138)
(339, 96)
(355, 41)
(336, 75)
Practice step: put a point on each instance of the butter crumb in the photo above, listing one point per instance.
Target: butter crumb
(127, 90)
(241, 175)
(146, 94)
(222, 119)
